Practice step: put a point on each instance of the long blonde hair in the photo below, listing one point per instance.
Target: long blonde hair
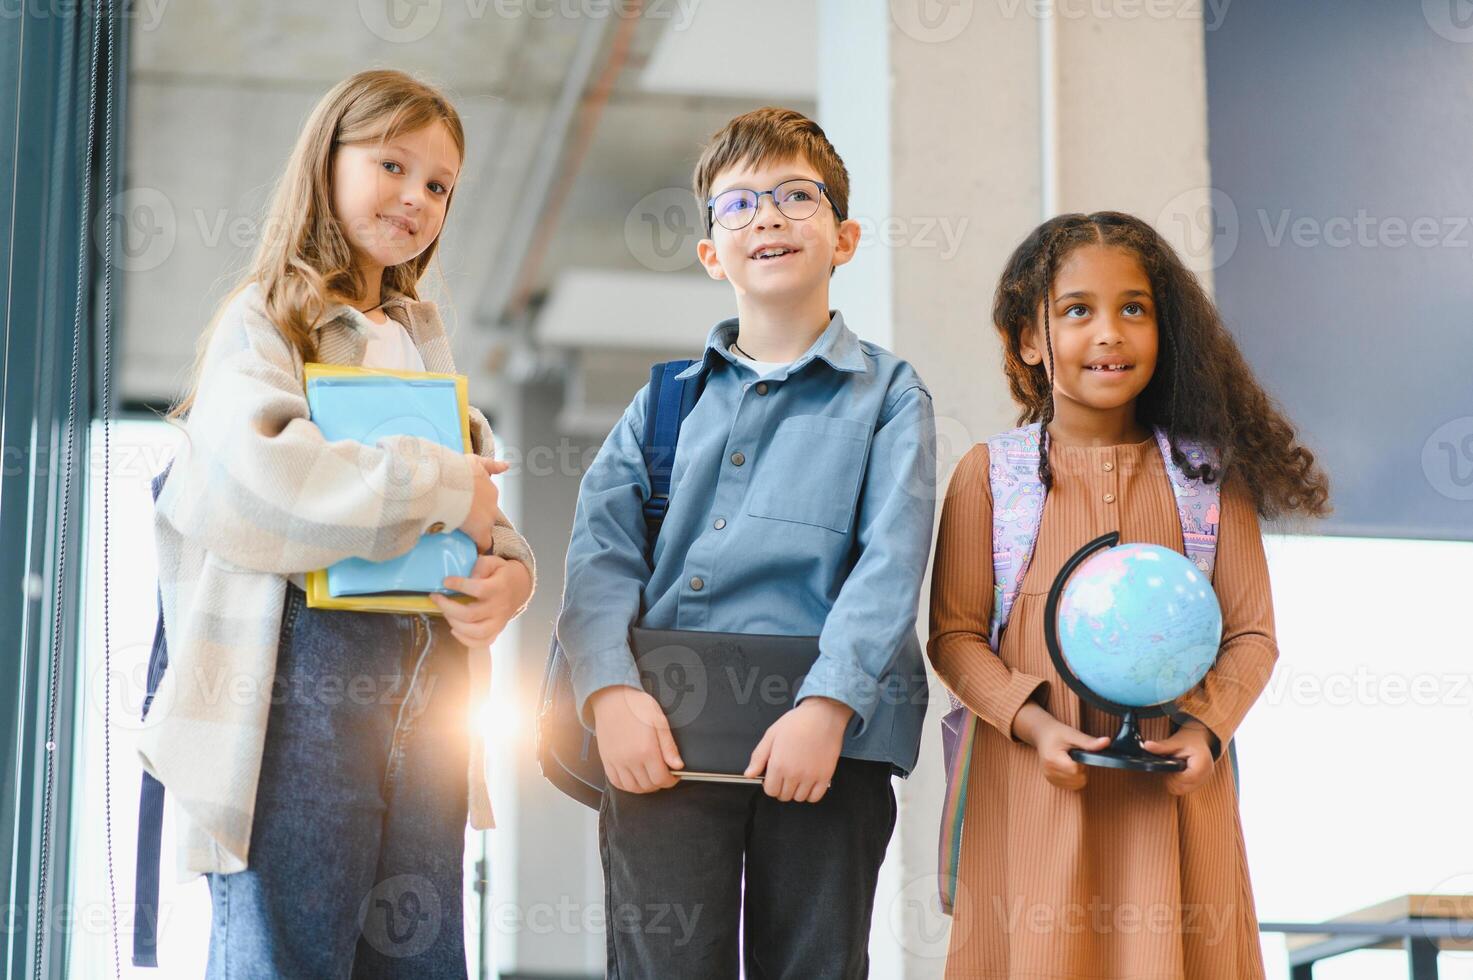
(303, 258)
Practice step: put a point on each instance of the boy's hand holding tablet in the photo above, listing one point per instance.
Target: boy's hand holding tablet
(800, 751)
(634, 740)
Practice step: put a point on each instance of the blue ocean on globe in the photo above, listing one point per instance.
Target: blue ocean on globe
(1139, 624)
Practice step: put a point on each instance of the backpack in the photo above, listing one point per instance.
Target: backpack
(150, 801)
(1017, 511)
(567, 751)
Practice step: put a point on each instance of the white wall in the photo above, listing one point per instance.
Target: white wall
(1354, 762)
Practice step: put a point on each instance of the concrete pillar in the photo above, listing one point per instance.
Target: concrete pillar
(546, 908)
(1129, 116)
(963, 125)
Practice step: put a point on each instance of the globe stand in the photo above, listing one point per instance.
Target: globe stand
(1125, 750)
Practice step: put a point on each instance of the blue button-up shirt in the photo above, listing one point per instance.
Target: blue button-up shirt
(799, 506)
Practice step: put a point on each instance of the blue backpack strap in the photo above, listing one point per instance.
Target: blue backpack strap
(669, 401)
(150, 802)
(566, 750)
(150, 833)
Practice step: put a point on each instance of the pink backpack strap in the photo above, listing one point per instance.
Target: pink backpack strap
(1017, 513)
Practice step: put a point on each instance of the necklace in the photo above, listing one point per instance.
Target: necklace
(371, 309)
(742, 352)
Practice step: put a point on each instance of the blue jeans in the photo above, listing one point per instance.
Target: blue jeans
(357, 844)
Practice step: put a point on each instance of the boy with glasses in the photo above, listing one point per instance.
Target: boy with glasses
(801, 505)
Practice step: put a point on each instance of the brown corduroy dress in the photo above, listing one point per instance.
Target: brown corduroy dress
(1119, 879)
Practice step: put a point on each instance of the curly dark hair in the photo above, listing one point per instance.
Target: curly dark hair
(1202, 388)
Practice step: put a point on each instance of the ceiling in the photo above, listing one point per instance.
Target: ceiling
(582, 128)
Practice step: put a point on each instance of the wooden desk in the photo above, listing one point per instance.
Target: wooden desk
(1422, 925)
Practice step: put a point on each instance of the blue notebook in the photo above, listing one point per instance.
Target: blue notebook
(368, 407)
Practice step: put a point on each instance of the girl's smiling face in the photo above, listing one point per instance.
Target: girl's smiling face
(390, 197)
(1102, 320)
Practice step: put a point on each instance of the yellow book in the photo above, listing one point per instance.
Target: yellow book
(318, 593)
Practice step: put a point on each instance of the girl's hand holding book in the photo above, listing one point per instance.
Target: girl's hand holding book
(1053, 739)
(497, 587)
(485, 506)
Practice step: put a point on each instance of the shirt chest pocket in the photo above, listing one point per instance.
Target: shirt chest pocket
(812, 472)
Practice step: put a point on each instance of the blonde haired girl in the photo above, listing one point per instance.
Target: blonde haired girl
(322, 762)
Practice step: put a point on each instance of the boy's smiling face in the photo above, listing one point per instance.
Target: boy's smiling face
(799, 253)
(1102, 319)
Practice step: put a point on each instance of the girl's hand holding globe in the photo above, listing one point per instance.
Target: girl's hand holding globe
(1053, 739)
(1192, 744)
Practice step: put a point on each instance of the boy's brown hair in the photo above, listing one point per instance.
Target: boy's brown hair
(768, 135)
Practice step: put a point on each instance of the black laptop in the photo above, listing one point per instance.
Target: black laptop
(721, 692)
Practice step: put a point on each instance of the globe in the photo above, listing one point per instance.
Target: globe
(1138, 625)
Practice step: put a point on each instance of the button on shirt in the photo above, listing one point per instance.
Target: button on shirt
(804, 511)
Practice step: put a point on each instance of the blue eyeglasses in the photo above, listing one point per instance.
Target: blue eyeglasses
(796, 199)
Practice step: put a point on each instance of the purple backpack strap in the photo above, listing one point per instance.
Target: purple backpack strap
(1017, 513)
(1197, 503)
